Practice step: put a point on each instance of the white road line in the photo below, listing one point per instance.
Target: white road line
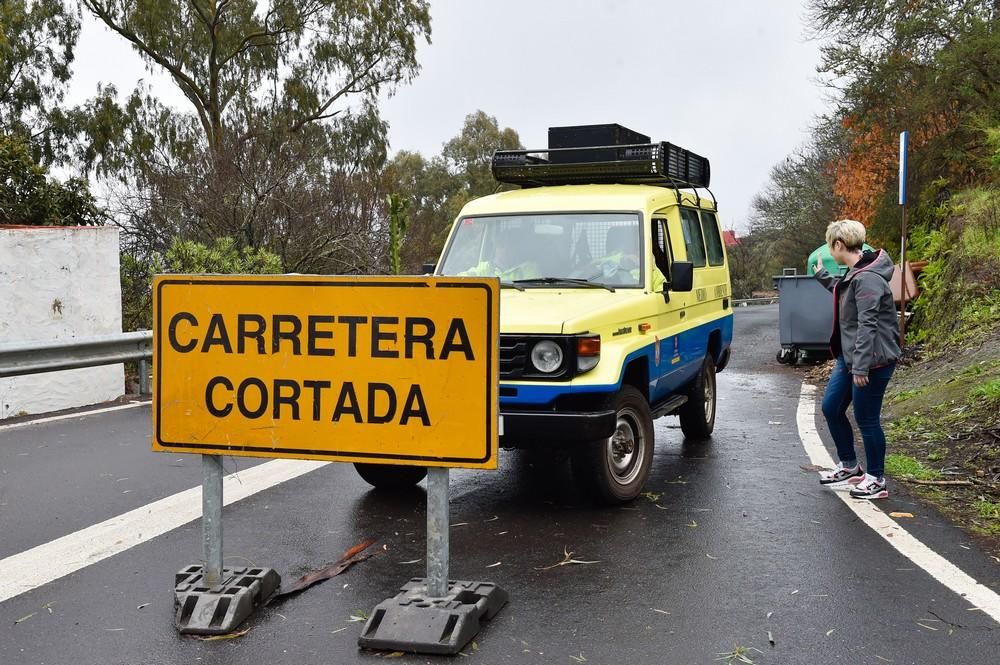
(40, 565)
(69, 416)
(937, 566)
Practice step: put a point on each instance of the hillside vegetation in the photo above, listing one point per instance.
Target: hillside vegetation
(943, 407)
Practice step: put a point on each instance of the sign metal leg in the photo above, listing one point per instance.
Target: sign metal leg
(211, 517)
(433, 614)
(210, 599)
(437, 532)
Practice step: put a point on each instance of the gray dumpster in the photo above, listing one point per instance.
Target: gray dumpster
(805, 317)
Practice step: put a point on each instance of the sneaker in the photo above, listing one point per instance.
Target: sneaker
(851, 474)
(871, 488)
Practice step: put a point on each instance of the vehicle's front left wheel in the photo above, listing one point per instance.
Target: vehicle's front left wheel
(390, 476)
(614, 470)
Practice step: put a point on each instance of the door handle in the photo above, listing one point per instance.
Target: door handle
(683, 313)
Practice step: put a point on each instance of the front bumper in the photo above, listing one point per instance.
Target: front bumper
(522, 429)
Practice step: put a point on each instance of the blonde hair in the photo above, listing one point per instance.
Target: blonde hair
(847, 231)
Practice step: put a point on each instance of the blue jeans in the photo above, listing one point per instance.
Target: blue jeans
(840, 392)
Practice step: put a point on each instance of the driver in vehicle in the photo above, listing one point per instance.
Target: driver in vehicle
(620, 264)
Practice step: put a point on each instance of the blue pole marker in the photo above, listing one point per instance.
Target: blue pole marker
(904, 142)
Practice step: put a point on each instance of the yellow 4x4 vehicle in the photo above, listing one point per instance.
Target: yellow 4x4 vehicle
(615, 307)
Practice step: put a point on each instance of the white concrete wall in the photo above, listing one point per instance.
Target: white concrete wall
(59, 283)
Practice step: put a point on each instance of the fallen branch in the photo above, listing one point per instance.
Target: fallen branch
(917, 481)
(352, 556)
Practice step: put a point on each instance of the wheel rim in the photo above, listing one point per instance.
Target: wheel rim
(626, 448)
(709, 395)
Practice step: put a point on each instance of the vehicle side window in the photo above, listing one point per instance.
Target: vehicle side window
(713, 241)
(661, 247)
(692, 237)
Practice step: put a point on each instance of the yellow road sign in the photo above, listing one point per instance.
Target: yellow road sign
(394, 370)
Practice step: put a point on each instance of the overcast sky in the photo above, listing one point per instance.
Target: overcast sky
(732, 80)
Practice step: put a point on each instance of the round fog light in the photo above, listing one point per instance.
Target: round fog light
(547, 357)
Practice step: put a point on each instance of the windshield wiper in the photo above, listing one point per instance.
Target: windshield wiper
(565, 280)
(511, 285)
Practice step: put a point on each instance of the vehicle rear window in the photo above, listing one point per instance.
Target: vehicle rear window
(692, 237)
(713, 241)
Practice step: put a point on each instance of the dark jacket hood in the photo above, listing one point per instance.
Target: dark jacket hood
(876, 262)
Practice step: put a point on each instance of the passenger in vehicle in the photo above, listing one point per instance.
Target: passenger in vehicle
(509, 262)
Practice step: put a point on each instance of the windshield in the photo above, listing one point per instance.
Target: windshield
(602, 248)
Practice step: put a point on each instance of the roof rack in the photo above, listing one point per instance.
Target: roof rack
(662, 164)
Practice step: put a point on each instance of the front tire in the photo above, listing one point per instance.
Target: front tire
(698, 413)
(390, 476)
(614, 470)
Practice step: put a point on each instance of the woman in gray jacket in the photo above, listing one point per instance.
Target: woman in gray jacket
(864, 342)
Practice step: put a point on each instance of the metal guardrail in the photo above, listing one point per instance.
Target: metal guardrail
(38, 357)
(754, 301)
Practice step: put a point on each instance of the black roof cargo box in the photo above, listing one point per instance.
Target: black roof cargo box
(582, 136)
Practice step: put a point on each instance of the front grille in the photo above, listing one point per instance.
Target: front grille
(513, 357)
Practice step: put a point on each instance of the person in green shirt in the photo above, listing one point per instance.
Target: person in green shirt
(506, 263)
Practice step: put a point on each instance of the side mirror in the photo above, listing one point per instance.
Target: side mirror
(429, 268)
(683, 276)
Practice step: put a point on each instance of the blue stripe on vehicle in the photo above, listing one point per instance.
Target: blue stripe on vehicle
(665, 379)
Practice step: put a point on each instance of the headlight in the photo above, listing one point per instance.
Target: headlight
(547, 357)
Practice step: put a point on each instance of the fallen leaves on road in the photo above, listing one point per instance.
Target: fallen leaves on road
(770, 638)
(831, 632)
(580, 658)
(410, 562)
(652, 496)
(692, 524)
(738, 655)
(898, 514)
(142, 606)
(25, 618)
(352, 556)
(660, 611)
(713, 558)
(813, 467)
(568, 560)
(358, 616)
(394, 654)
(227, 636)
(494, 565)
(927, 627)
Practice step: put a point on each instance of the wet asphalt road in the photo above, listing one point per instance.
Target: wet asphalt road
(733, 542)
